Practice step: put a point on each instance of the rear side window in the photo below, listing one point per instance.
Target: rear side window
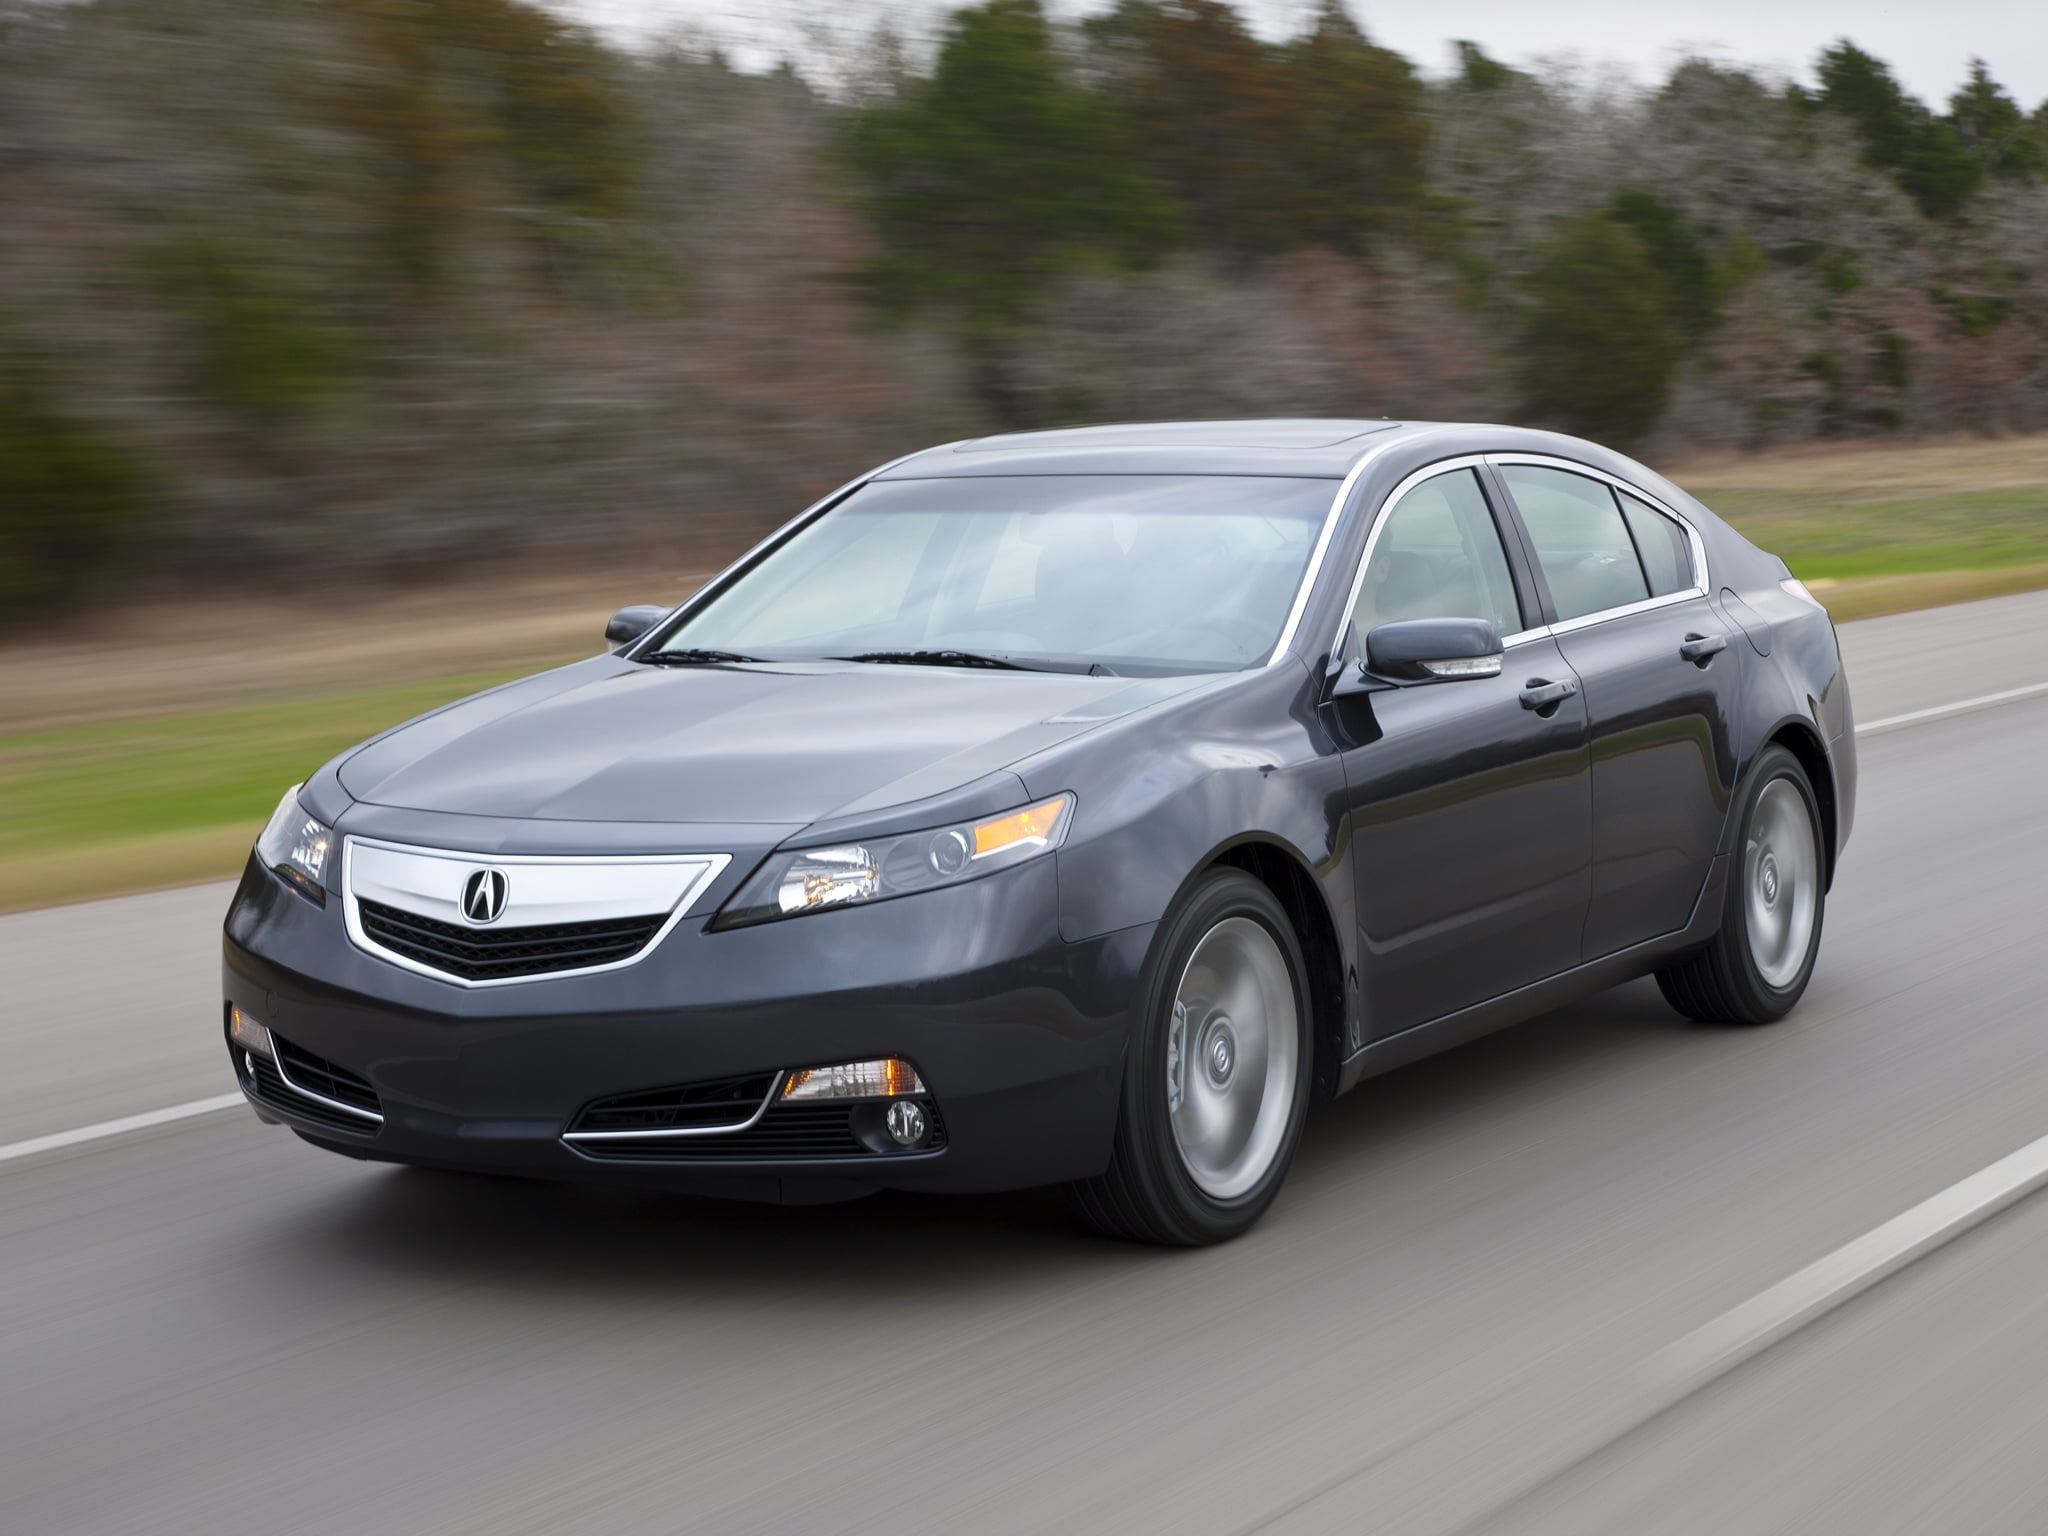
(1666, 551)
(1587, 555)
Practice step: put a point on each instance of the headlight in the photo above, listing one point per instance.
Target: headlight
(876, 868)
(295, 848)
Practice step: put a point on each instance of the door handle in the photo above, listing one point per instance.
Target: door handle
(1701, 649)
(1544, 696)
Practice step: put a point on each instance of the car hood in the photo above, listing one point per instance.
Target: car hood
(606, 740)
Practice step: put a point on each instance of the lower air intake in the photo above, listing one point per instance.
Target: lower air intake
(310, 1089)
(723, 1105)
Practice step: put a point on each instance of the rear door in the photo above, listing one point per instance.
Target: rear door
(1624, 579)
(1468, 812)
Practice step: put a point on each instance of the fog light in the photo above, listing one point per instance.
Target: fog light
(881, 1079)
(249, 1037)
(906, 1122)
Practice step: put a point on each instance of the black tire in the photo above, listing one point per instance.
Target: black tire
(1149, 1193)
(1727, 982)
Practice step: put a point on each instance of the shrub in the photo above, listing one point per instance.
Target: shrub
(262, 348)
(67, 493)
(1598, 346)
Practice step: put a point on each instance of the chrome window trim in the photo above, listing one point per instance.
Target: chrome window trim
(1322, 550)
(1702, 577)
(1372, 539)
(277, 1061)
(714, 865)
(1647, 605)
(669, 1132)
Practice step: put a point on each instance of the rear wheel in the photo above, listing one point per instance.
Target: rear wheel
(1217, 1075)
(1756, 968)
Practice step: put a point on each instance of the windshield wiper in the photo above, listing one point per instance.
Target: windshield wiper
(985, 659)
(692, 658)
(940, 659)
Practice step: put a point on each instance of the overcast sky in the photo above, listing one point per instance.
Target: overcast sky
(1928, 43)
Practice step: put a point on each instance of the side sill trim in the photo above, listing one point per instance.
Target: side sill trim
(1377, 1056)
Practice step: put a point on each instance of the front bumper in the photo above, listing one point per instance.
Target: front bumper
(1018, 1036)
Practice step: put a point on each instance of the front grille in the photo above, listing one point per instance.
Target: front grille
(787, 1133)
(494, 954)
(728, 1101)
(314, 1075)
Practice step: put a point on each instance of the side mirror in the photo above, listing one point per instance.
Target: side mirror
(629, 624)
(1423, 650)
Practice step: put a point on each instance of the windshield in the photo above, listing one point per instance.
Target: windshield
(1139, 574)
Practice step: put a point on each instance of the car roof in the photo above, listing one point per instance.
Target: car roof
(1294, 447)
(1298, 446)
(1324, 449)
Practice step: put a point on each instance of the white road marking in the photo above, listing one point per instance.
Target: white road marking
(1681, 1369)
(1502, 1445)
(126, 1123)
(1943, 711)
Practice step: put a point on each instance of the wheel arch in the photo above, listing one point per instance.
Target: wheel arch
(1293, 884)
(1799, 737)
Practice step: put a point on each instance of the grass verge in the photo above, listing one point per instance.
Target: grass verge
(94, 810)
(1829, 539)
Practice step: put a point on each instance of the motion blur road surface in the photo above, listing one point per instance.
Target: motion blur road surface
(208, 1325)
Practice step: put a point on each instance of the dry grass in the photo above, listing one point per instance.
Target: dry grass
(1850, 473)
(1872, 597)
(180, 658)
(141, 864)
(1890, 510)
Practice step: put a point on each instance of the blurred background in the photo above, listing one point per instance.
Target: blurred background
(354, 353)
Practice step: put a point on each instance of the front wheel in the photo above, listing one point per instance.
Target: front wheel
(1217, 1074)
(1757, 966)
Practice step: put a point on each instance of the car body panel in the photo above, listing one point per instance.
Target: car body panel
(1663, 765)
(1019, 1034)
(1464, 863)
(1465, 767)
(606, 740)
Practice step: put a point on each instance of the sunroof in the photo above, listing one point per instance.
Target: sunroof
(1189, 434)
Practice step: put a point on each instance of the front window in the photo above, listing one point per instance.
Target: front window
(1133, 574)
(1438, 555)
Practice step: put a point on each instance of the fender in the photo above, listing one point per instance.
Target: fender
(1799, 694)
(1162, 792)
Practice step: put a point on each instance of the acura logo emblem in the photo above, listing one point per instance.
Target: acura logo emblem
(483, 895)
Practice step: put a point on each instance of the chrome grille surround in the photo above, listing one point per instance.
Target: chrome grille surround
(544, 891)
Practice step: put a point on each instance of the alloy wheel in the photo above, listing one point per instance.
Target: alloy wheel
(1232, 1056)
(1781, 883)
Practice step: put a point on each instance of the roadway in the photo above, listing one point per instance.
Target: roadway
(208, 1325)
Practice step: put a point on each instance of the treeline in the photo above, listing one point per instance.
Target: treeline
(310, 290)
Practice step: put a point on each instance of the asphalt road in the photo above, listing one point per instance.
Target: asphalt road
(211, 1326)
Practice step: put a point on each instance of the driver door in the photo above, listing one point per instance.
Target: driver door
(1468, 814)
